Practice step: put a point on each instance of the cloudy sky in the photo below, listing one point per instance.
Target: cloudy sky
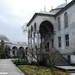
(15, 13)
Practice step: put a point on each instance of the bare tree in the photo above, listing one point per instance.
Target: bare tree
(33, 53)
(24, 28)
(50, 56)
(20, 53)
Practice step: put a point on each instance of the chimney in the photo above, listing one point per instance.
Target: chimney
(44, 8)
(66, 1)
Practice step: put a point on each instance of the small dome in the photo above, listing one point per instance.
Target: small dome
(3, 37)
(61, 5)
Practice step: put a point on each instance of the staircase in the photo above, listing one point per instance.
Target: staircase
(62, 64)
(61, 61)
(69, 69)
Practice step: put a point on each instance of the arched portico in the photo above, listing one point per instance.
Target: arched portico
(46, 34)
(41, 35)
(46, 31)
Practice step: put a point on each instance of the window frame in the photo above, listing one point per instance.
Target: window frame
(52, 41)
(67, 40)
(59, 23)
(66, 19)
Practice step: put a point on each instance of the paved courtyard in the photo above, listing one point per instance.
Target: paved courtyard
(67, 67)
(8, 68)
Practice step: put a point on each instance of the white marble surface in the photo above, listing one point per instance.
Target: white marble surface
(8, 68)
(66, 67)
(72, 73)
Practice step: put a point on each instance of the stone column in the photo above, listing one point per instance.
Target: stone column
(55, 40)
(38, 39)
(30, 41)
(41, 41)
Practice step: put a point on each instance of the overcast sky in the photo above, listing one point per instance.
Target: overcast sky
(15, 13)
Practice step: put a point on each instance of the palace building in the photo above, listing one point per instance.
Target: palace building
(54, 29)
(14, 46)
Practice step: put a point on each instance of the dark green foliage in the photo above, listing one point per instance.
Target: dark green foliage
(4, 50)
(20, 62)
(20, 53)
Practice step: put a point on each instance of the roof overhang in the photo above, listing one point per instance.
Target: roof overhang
(38, 14)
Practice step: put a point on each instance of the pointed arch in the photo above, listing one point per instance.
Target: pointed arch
(59, 23)
(66, 19)
(34, 26)
(46, 27)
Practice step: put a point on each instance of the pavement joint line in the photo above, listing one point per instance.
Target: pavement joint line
(18, 69)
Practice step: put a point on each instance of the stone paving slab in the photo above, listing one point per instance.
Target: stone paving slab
(8, 68)
(72, 73)
(67, 67)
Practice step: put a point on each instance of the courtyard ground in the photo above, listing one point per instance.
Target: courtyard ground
(8, 68)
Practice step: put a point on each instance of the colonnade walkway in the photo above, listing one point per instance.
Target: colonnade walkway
(8, 68)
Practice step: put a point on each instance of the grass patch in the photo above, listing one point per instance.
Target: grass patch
(34, 70)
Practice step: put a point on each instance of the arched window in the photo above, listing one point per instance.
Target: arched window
(34, 26)
(31, 30)
(59, 23)
(66, 20)
(28, 33)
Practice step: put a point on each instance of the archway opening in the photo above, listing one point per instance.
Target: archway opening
(46, 27)
(21, 52)
(21, 48)
(14, 47)
(46, 30)
(14, 51)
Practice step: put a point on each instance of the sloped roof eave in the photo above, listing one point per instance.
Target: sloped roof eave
(42, 14)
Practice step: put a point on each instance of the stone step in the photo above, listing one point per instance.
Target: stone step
(69, 69)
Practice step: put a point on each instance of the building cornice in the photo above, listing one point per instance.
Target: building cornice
(48, 14)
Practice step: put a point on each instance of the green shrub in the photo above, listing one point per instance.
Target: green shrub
(20, 62)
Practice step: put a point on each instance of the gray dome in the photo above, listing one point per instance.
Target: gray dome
(3, 37)
(61, 5)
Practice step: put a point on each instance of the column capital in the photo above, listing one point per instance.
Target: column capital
(33, 33)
